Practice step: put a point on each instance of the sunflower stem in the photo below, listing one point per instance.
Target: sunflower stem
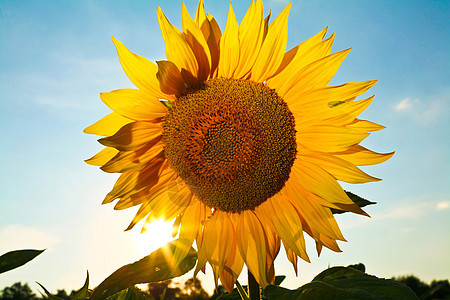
(253, 287)
(241, 291)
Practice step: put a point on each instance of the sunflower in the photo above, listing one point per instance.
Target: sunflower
(237, 141)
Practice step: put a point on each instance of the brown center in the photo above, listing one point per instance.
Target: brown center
(232, 142)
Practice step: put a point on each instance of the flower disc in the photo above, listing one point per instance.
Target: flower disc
(232, 142)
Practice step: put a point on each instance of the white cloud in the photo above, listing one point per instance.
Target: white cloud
(443, 205)
(425, 110)
(412, 210)
(406, 104)
(16, 237)
(407, 210)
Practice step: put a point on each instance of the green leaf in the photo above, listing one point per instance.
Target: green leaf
(49, 295)
(343, 283)
(314, 291)
(336, 273)
(83, 292)
(241, 291)
(17, 258)
(235, 295)
(279, 279)
(361, 202)
(157, 266)
(132, 293)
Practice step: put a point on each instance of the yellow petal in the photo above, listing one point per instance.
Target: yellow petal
(232, 269)
(134, 104)
(360, 156)
(286, 223)
(190, 226)
(229, 47)
(133, 182)
(319, 182)
(176, 226)
(220, 237)
(196, 40)
(329, 243)
(134, 160)
(342, 169)
(152, 190)
(318, 218)
(287, 64)
(102, 157)
(273, 248)
(273, 47)
(178, 50)
(169, 204)
(315, 75)
(200, 14)
(133, 136)
(140, 70)
(329, 97)
(212, 33)
(343, 114)
(329, 138)
(292, 257)
(108, 125)
(251, 36)
(365, 126)
(252, 243)
(130, 201)
(282, 82)
(170, 78)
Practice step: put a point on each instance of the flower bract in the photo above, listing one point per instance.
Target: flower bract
(239, 142)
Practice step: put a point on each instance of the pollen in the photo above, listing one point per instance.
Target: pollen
(232, 142)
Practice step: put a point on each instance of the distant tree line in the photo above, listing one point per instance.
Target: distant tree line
(193, 290)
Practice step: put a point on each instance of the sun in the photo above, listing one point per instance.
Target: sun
(154, 235)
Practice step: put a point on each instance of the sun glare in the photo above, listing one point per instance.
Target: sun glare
(157, 234)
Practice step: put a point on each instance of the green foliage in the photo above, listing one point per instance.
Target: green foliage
(17, 258)
(162, 290)
(279, 279)
(82, 293)
(361, 202)
(343, 283)
(157, 266)
(17, 292)
(132, 293)
(438, 289)
(49, 295)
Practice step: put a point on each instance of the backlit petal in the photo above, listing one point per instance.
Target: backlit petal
(251, 36)
(140, 70)
(170, 78)
(329, 138)
(108, 125)
(102, 157)
(134, 104)
(178, 50)
(196, 40)
(132, 136)
(273, 47)
(229, 47)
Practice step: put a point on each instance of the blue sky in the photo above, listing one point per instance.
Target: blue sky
(57, 56)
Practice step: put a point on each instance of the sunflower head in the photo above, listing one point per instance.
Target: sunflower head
(232, 142)
(239, 141)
